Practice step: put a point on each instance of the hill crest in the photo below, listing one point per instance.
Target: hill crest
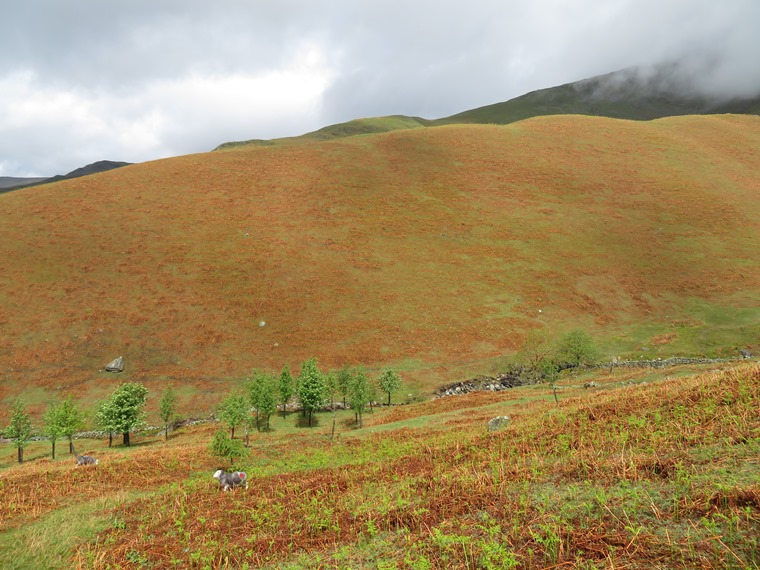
(635, 93)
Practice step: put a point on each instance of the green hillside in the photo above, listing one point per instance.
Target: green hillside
(366, 126)
(621, 95)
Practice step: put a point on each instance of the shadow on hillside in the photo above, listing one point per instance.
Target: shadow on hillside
(303, 422)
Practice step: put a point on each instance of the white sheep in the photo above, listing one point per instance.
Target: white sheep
(229, 480)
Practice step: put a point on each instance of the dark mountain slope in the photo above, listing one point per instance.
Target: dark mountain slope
(7, 183)
(626, 94)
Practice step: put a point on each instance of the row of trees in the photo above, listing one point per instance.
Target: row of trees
(314, 390)
(122, 412)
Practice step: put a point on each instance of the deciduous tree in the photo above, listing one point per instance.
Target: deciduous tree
(70, 420)
(233, 411)
(343, 381)
(537, 348)
(311, 388)
(331, 387)
(225, 447)
(52, 425)
(359, 395)
(167, 406)
(19, 430)
(389, 382)
(575, 348)
(105, 419)
(126, 408)
(286, 388)
(262, 392)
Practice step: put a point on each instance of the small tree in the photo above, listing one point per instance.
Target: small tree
(311, 388)
(249, 424)
(19, 430)
(536, 350)
(167, 406)
(575, 348)
(359, 395)
(262, 393)
(70, 420)
(52, 423)
(550, 373)
(233, 411)
(225, 447)
(105, 419)
(331, 387)
(343, 381)
(373, 387)
(255, 386)
(126, 408)
(286, 388)
(389, 382)
(268, 399)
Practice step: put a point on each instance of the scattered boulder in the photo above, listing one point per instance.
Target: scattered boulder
(591, 384)
(745, 353)
(116, 365)
(497, 423)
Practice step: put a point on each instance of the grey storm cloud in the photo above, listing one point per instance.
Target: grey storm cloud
(85, 80)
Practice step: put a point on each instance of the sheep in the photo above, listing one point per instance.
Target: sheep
(83, 459)
(228, 481)
(86, 460)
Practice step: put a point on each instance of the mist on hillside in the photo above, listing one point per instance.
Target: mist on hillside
(710, 78)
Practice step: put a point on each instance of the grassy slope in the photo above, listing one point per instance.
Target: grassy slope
(432, 250)
(661, 474)
(366, 126)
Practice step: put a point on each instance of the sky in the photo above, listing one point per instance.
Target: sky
(89, 80)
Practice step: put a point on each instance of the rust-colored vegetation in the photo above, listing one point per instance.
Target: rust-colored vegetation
(419, 248)
(660, 475)
(655, 475)
(432, 250)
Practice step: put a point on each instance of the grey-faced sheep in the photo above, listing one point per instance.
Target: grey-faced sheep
(86, 460)
(229, 480)
(83, 459)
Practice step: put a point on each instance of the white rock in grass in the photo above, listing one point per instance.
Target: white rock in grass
(495, 424)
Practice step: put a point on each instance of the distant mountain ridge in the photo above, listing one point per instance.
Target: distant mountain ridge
(632, 93)
(367, 126)
(636, 93)
(8, 183)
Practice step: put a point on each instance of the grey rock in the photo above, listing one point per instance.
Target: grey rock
(116, 365)
(497, 423)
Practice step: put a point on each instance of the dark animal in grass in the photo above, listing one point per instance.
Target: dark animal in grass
(83, 459)
(228, 481)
